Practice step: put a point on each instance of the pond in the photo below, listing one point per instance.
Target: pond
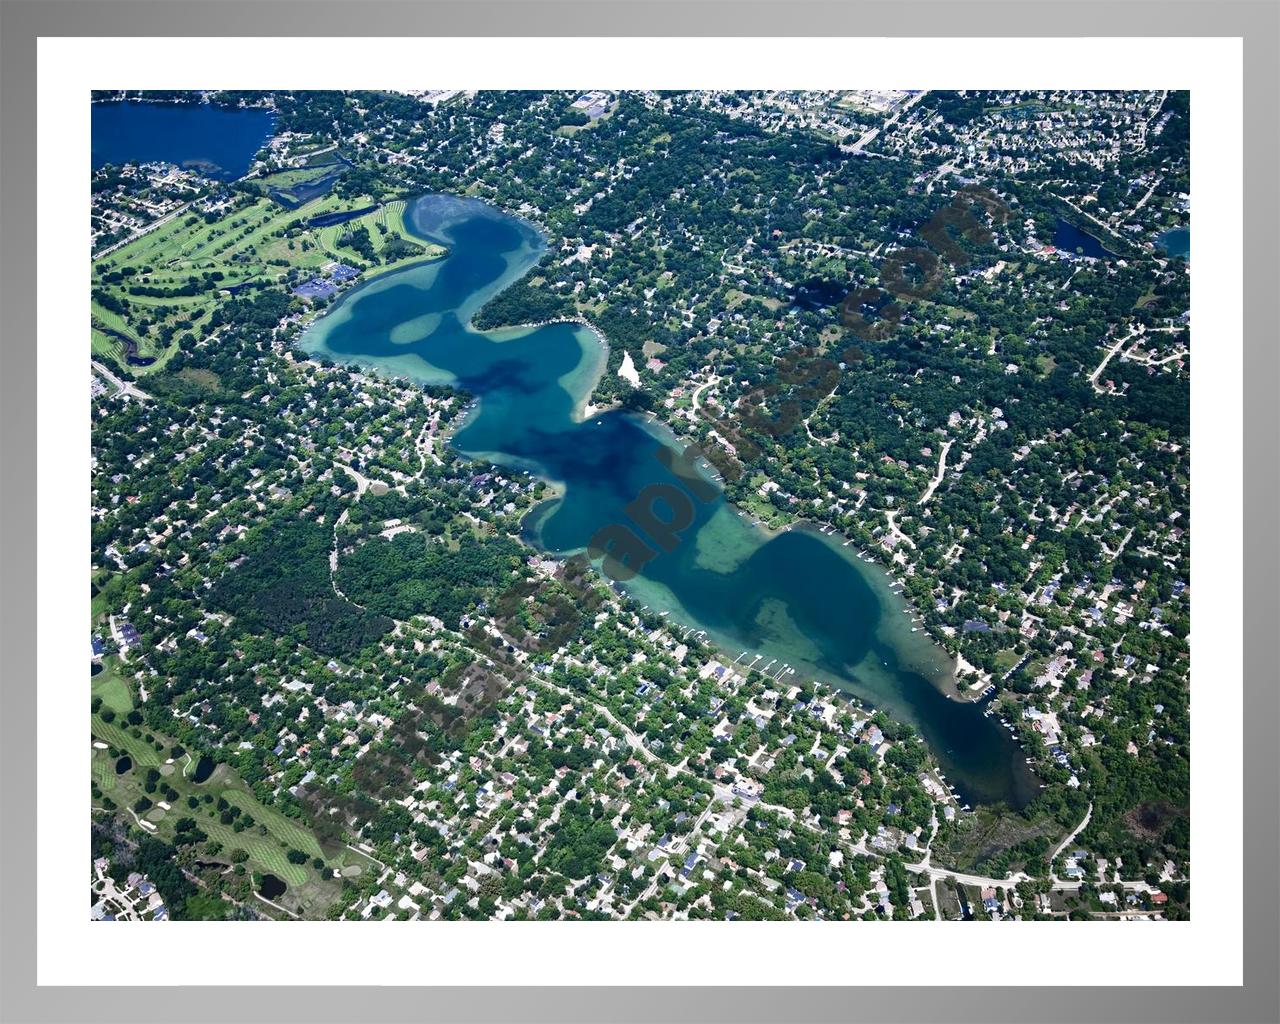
(818, 293)
(325, 220)
(1069, 238)
(272, 888)
(302, 192)
(124, 764)
(204, 768)
(1175, 242)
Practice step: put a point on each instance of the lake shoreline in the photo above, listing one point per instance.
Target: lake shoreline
(796, 597)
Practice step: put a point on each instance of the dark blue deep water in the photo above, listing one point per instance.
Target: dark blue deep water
(215, 141)
(1070, 238)
(1176, 242)
(795, 598)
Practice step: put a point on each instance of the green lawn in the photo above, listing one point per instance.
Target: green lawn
(1005, 660)
(262, 242)
(287, 830)
(112, 687)
(104, 770)
(267, 841)
(388, 218)
(120, 736)
(265, 853)
(288, 179)
(102, 345)
(248, 244)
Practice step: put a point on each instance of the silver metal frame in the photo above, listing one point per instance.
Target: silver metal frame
(21, 23)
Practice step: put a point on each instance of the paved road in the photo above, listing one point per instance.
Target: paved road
(925, 867)
(363, 483)
(145, 230)
(125, 388)
(713, 380)
(1111, 353)
(922, 867)
(868, 137)
(939, 476)
(1088, 816)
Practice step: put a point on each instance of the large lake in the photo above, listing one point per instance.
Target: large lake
(798, 598)
(216, 141)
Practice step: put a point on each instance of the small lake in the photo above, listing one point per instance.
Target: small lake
(325, 220)
(204, 768)
(1069, 238)
(272, 887)
(218, 142)
(128, 346)
(124, 764)
(1175, 242)
(798, 600)
(818, 293)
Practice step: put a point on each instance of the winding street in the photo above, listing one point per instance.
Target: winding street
(924, 867)
(124, 388)
(697, 392)
(938, 477)
(1088, 816)
(921, 867)
(1111, 353)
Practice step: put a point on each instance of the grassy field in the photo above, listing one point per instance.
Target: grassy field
(206, 379)
(988, 833)
(111, 685)
(120, 737)
(260, 242)
(384, 225)
(104, 770)
(267, 841)
(291, 177)
(1006, 659)
(103, 345)
(327, 164)
(251, 244)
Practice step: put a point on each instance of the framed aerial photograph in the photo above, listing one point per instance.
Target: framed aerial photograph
(632, 511)
(613, 505)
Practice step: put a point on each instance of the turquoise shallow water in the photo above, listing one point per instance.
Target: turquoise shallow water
(797, 598)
